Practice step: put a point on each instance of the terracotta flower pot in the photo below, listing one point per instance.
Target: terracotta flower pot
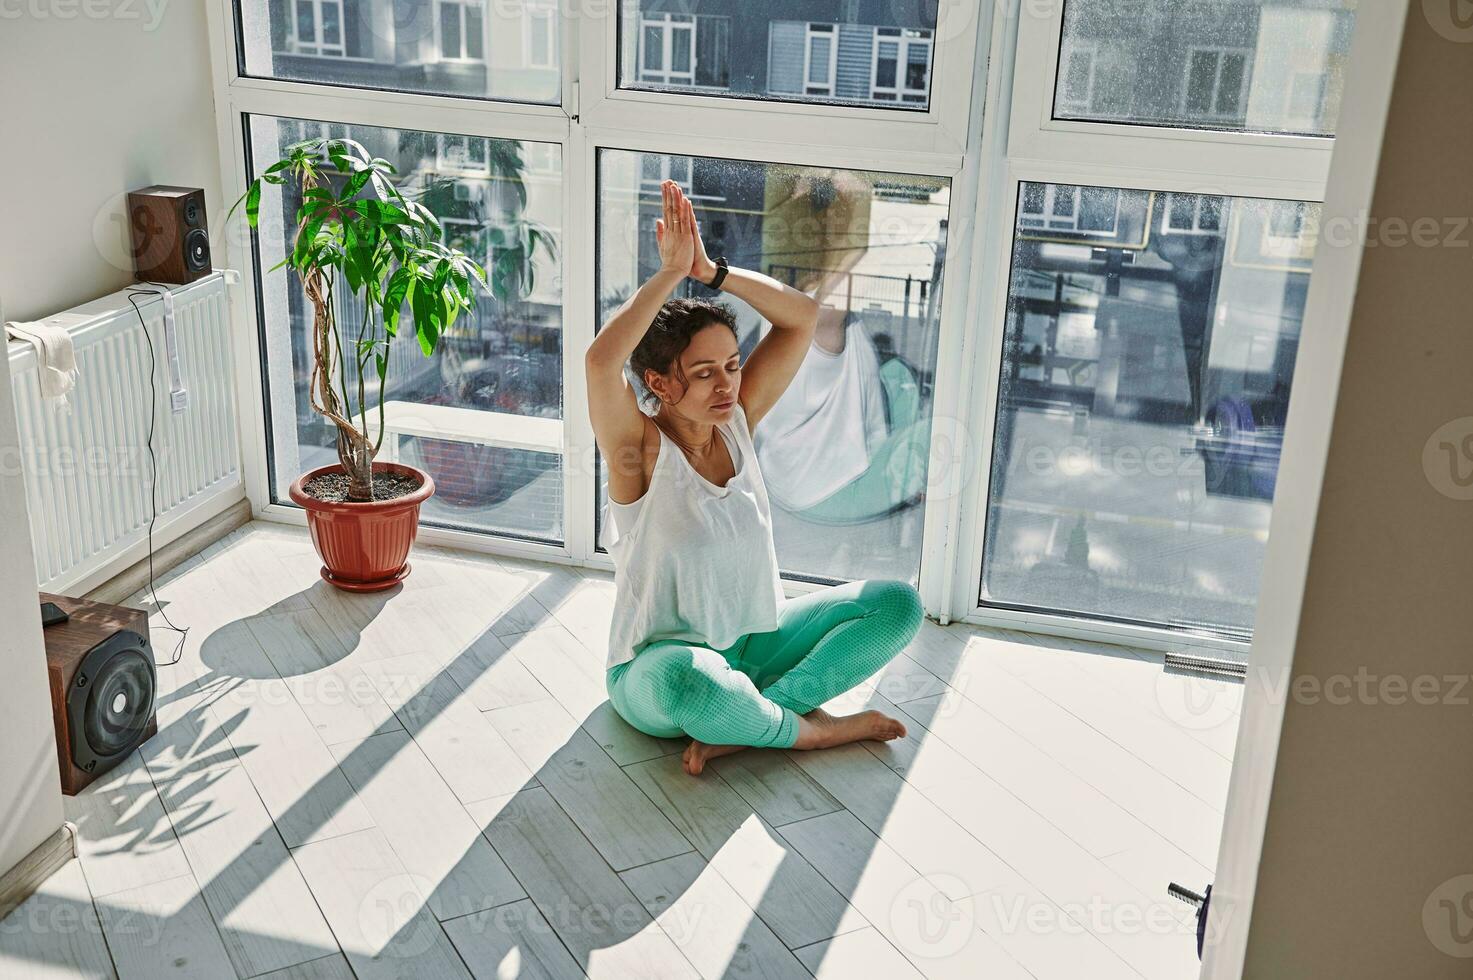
(364, 545)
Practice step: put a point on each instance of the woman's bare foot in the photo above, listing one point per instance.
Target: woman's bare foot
(697, 754)
(820, 730)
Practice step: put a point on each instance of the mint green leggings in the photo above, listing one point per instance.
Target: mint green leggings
(826, 642)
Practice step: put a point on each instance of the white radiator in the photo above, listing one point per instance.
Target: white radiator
(87, 474)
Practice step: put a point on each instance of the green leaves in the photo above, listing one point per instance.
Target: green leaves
(394, 295)
(361, 227)
(253, 202)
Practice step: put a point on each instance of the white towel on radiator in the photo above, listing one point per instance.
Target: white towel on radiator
(55, 359)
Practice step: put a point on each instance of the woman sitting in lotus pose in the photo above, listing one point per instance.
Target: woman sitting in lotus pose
(703, 642)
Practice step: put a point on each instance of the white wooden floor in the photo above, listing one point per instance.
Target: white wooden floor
(431, 783)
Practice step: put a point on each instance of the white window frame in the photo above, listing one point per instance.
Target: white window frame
(830, 33)
(1033, 145)
(896, 94)
(667, 24)
(1168, 202)
(594, 115)
(317, 47)
(1244, 85)
(462, 6)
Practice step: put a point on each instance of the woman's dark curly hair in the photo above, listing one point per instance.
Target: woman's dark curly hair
(669, 335)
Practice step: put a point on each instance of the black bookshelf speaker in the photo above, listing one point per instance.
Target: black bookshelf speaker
(171, 238)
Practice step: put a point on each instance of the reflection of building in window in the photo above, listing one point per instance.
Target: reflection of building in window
(462, 154)
(1288, 234)
(1193, 214)
(461, 25)
(1257, 65)
(821, 60)
(902, 67)
(1306, 96)
(540, 36)
(850, 62)
(297, 130)
(543, 158)
(1216, 84)
(317, 28)
(1093, 81)
(685, 50)
(1066, 207)
(656, 168)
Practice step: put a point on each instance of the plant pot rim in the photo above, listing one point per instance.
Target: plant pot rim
(414, 499)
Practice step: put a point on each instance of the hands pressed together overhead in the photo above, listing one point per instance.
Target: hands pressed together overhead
(679, 237)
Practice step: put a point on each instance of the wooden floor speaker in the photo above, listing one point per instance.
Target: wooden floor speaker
(103, 687)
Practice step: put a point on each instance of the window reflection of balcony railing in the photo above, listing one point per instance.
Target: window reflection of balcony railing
(906, 297)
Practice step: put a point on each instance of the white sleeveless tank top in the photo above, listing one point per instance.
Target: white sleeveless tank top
(694, 561)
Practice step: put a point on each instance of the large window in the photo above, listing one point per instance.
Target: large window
(1275, 67)
(483, 416)
(476, 48)
(730, 47)
(1148, 352)
(1084, 436)
(845, 451)
(1163, 166)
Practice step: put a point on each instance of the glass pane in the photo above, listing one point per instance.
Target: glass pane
(713, 39)
(654, 48)
(540, 52)
(441, 47)
(917, 66)
(752, 52)
(680, 42)
(450, 30)
(1216, 65)
(1145, 384)
(885, 66)
(482, 415)
(818, 60)
(474, 41)
(845, 451)
(332, 28)
(306, 22)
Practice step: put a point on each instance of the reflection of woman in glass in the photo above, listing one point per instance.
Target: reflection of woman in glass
(702, 642)
(846, 443)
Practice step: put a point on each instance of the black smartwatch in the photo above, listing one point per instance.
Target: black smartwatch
(720, 277)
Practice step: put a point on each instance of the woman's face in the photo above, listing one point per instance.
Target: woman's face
(713, 374)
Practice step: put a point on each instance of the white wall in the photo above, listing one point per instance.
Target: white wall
(97, 98)
(30, 786)
(1346, 846)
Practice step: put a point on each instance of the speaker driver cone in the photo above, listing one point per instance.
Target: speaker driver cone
(110, 700)
(120, 704)
(197, 250)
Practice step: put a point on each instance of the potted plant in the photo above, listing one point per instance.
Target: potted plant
(354, 226)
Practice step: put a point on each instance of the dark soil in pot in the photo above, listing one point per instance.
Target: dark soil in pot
(333, 487)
